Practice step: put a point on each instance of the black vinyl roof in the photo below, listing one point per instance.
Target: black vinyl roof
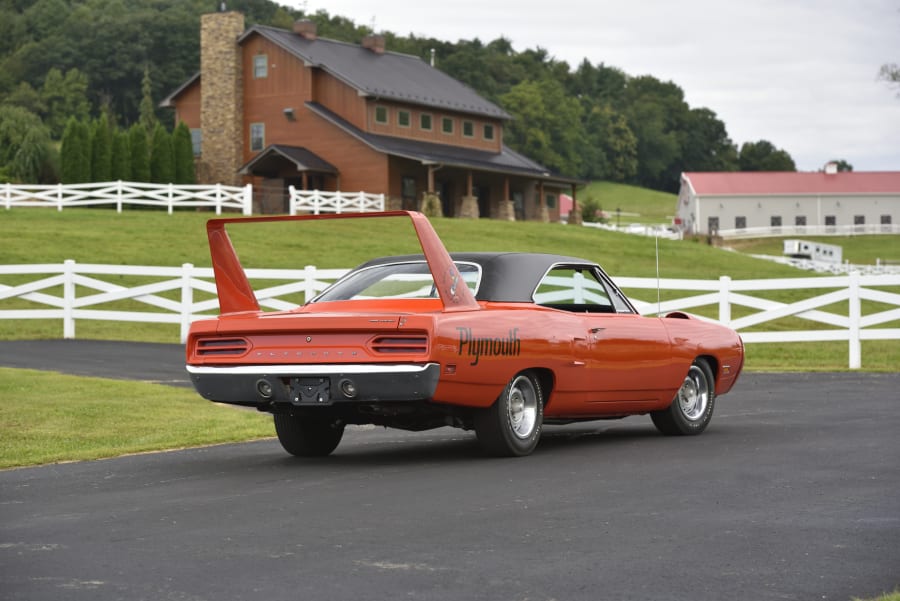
(510, 277)
(391, 75)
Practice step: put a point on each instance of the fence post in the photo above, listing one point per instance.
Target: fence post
(292, 208)
(248, 199)
(69, 299)
(855, 315)
(187, 299)
(8, 189)
(725, 300)
(309, 283)
(169, 197)
(59, 195)
(118, 196)
(219, 199)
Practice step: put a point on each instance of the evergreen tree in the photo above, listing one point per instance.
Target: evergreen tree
(101, 150)
(139, 150)
(120, 168)
(184, 155)
(162, 157)
(148, 113)
(75, 154)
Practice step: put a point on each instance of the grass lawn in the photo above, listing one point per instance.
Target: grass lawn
(47, 417)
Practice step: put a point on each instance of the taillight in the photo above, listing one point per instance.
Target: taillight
(400, 344)
(207, 347)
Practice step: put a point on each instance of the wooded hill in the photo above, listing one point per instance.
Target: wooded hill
(81, 58)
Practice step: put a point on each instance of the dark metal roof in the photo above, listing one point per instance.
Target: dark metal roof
(510, 277)
(507, 161)
(271, 160)
(391, 75)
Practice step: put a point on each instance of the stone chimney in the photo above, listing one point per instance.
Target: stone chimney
(305, 29)
(221, 102)
(374, 42)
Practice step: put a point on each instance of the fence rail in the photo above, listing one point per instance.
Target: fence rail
(811, 230)
(318, 202)
(119, 193)
(67, 291)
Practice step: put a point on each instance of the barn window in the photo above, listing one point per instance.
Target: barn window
(830, 220)
(468, 129)
(403, 118)
(740, 222)
(447, 125)
(197, 141)
(257, 136)
(712, 225)
(425, 122)
(859, 220)
(381, 115)
(885, 220)
(488, 131)
(800, 220)
(775, 221)
(260, 66)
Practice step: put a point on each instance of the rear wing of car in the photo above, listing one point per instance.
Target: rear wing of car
(237, 296)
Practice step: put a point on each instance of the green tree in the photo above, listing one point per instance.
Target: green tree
(148, 111)
(546, 125)
(139, 149)
(162, 156)
(890, 72)
(763, 156)
(101, 150)
(706, 145)
(184, 155)
(75, 152)
(120, 168)
(842, 165)
(25, 152)
(611, 149)
(64, 96)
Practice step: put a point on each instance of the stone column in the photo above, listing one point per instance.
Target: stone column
(469, 207)
(506, 211)
(221, 101)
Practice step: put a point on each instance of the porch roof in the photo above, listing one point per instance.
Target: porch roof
(273, 158)
(507, 161)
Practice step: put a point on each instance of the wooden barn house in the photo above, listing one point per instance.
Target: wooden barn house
(276, 108)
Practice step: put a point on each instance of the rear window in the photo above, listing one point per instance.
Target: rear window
(395, 280)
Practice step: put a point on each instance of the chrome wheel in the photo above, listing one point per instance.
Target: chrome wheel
(522, 407)
(691, 410)
(693, 396)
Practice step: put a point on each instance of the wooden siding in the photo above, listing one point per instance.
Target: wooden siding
(187, 108)
(339, 98)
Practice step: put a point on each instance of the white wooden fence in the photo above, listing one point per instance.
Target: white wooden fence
(119, 193)
(319, 202)
(67, 291)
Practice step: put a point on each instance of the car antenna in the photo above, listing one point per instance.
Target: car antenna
(658, 302)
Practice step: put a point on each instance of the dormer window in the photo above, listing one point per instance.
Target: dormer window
(403, 118)
(260, 66)
(488, 131)
(468, 129)
(425, 122)
(447, 125)
(381, 115)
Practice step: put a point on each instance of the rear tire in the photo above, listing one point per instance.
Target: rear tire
(306, 436)
(692, 408)
(511, 427)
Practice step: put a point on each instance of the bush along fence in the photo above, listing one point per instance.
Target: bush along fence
(178, 295)
(119, 193)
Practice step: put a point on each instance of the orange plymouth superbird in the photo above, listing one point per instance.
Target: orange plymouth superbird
(497, 342)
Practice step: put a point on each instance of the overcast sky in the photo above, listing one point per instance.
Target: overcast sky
(801, 74)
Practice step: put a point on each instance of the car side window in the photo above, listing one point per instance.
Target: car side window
(575, 289)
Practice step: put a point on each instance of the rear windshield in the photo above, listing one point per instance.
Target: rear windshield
(395, 280)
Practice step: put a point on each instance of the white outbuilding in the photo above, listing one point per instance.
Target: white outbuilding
(751, 204)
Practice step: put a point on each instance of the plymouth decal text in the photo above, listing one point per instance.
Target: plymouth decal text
(486, 346)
